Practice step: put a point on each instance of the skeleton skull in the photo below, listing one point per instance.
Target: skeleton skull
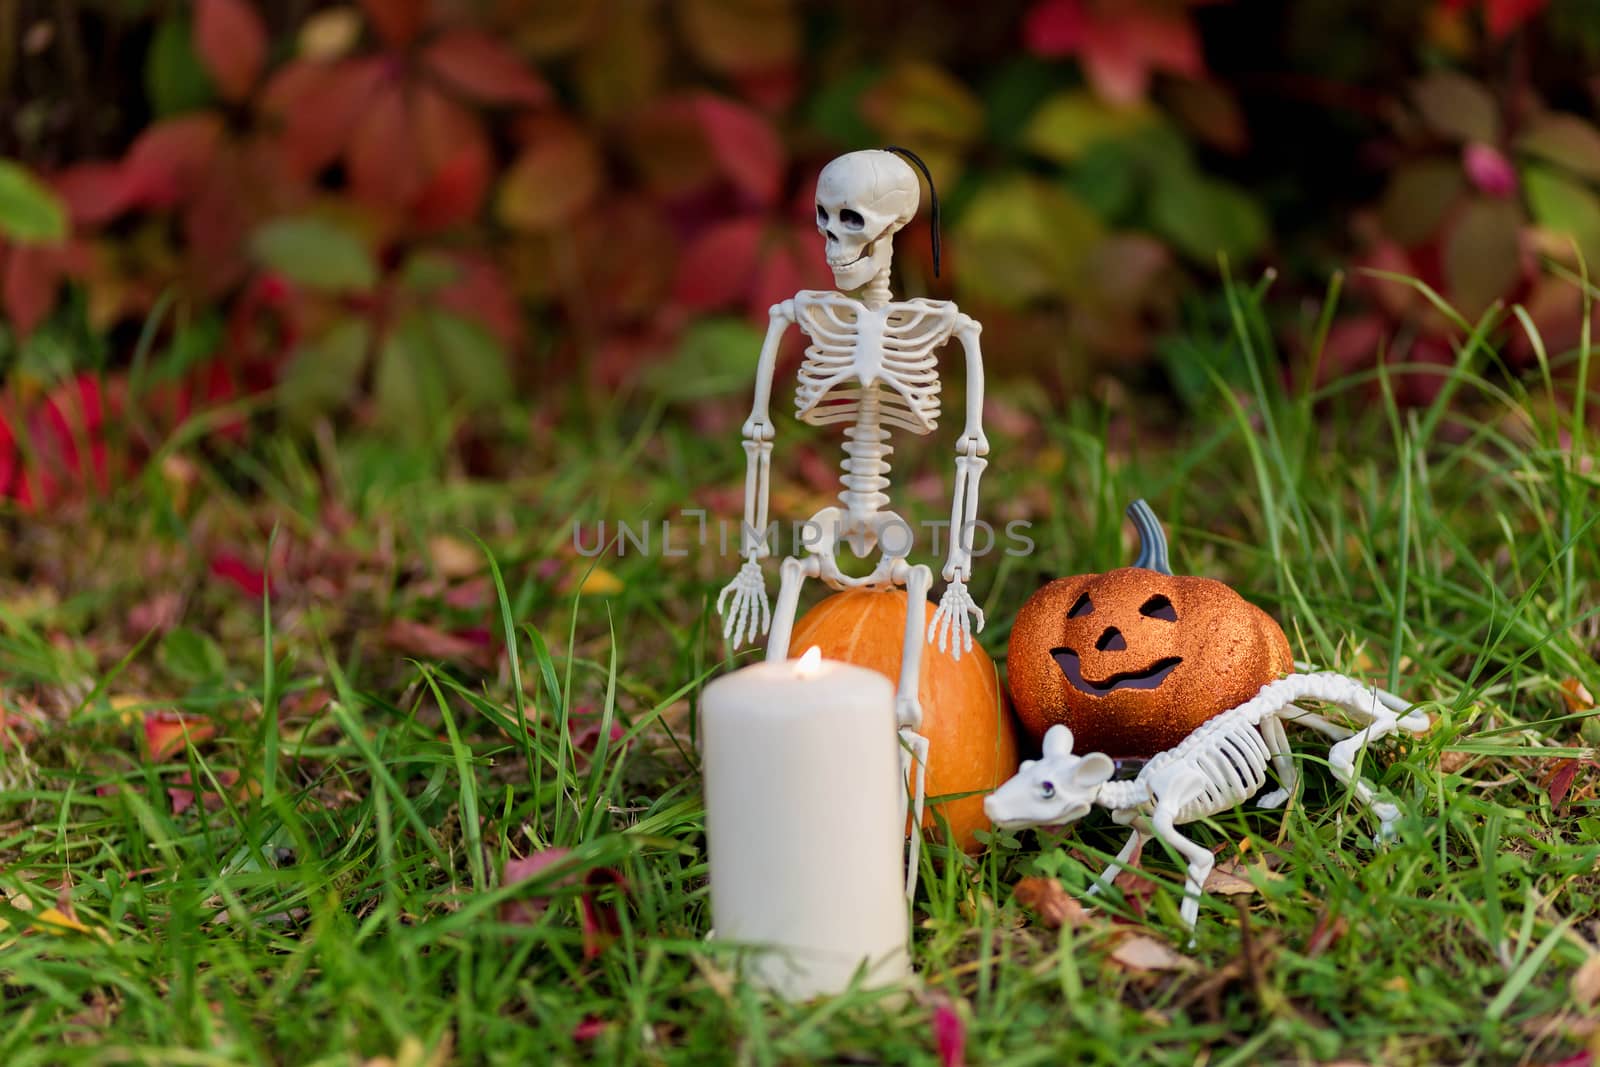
(863, 199)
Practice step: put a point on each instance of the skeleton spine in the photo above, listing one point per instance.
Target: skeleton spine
(866, 462)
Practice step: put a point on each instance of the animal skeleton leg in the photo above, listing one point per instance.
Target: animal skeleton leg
(793, 571)
(1133, 844)
(1179, 792)
(1277, 740)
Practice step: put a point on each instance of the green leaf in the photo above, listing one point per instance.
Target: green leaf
(1456, 106)
(315, 253)
(473, 359)
(29, 211)
(192, 655)
(1110, 178)
(1417, 197)
(425, 271)
(324, 375)
(1481, 261)
(1565, 140)
(410, 389)
(1024, 238)
(712, 359)
(1560, 204)
(1203, 216)
(174, 77)
(1069, 124)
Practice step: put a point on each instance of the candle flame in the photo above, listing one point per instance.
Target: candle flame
(809, 663)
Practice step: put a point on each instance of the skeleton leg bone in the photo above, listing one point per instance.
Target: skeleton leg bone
(1177, 793)
(794, 571)
(1135, 841)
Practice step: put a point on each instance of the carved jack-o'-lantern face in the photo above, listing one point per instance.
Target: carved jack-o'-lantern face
(1132, 660)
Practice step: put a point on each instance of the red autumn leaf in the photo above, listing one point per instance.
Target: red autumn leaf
(249, 579)
(167, 733)
(949, 1035)
(454, 192)
(95, 193)
(744, 144)
(481, 293)
(601, 923)
(65, 454)
(584, 729)
(317, 106)
(590, 1028)
(383, 160)
(792, 262)
(169, 161)
(422, 641)
(456, 160)
(231, 40)
(33, 274)
(183, 799)
(1119, 45)
(717, 266)
(483, 70)
(398, 22)
(1502, 17)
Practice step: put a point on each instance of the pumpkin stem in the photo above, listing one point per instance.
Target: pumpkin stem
(1152, 541)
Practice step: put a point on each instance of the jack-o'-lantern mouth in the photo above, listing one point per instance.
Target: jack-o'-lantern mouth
(1149, 678)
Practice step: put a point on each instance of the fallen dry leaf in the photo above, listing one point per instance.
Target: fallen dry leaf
(949, 1034)
(600, 582)
(1049, 899)
(1225, 880)
(453, 558)
(167, 733)
(429, 642)
(1576, 696)
(1146, 954)
(1586, 982)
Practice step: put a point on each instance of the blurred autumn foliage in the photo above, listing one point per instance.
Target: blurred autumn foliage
(410, 211)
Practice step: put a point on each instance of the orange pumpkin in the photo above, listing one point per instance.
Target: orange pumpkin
(1132, 660)
(972, 742)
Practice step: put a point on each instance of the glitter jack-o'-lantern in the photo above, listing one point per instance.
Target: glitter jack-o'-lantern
(1132, 660)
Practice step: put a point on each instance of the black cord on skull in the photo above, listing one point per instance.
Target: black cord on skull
(933, 197)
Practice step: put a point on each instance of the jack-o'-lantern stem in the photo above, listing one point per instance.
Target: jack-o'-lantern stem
(1152, 540)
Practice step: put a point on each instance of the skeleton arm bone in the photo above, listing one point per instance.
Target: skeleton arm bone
(951, 625)
(750, 613)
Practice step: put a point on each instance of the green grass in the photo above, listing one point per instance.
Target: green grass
(345, 900)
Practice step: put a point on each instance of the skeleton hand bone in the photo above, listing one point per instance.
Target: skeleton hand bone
(950, 623)
(751, 612)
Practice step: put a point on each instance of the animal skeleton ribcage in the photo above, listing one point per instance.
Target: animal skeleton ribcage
(857, 351)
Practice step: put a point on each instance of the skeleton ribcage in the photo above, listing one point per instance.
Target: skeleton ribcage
(892, 351)
(1233, 760)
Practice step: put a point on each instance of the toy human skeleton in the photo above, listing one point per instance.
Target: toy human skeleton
(1218, 766)
(871, 366)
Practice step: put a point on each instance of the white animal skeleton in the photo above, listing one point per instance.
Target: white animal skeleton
(1218, 766)
(872, 365)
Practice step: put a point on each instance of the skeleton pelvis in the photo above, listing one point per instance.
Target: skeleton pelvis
(883, 532)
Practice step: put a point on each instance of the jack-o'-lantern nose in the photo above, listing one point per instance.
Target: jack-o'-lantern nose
(1111, 641)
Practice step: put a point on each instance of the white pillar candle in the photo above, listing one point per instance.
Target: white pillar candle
(804, 823)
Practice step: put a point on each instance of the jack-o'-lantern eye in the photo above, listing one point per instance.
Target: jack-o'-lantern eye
(1159, 607)
(1083, 607)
